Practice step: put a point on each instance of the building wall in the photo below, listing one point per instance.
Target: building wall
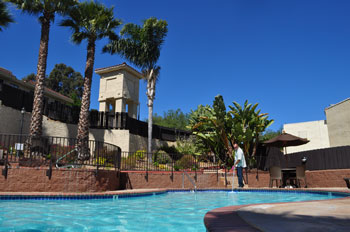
(10, 123)
(315, 131)
(338, 120)
(111, 86)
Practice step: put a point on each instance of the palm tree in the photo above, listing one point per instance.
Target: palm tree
(46, 10)
(5, 17)
(141, 46)
(89, 21)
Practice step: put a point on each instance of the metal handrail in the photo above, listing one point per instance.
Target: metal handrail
(64, 156)
(190, 179)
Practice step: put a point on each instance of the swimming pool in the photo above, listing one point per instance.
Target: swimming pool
(169, 211)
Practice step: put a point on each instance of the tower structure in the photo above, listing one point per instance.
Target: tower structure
(119, 89)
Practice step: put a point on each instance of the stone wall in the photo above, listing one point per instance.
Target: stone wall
(35, 180)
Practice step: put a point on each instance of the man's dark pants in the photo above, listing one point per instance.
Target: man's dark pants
(240, 176)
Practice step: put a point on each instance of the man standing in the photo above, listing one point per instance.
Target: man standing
(239, 163)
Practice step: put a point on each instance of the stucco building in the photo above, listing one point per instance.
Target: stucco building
(332, 132)
(119, 89)
(338, 123)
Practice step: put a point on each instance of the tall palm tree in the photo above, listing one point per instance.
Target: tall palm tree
(89, 21)
(141, 46)
(5, 17)
(46, 10)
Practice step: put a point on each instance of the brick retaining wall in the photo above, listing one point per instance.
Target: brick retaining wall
(81, 180)
(314, 179)
(67, 180)
(137, 180)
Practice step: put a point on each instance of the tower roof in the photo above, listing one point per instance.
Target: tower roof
(123, 66)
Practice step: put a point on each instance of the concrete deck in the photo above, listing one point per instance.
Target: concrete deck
(326, 215)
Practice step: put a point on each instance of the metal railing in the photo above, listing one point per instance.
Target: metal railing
(190, 179)
(21, 150)
(143, 161)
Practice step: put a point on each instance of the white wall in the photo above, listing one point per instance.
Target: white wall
(315, 131)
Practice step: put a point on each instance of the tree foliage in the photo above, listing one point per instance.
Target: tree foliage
(141, 46)
(90, 21)
(45, 10)
(218, 129)
(64, 80)
(249, 124)
(5, 17)
(269, 134)
(67, 81)
(172, 119)
(212, 126)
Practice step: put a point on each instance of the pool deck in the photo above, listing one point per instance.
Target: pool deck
(325, 215)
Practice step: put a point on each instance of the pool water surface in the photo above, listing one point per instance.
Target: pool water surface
(171, 211)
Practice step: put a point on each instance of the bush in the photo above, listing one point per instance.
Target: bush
(161, 157)
(128, 162)
(186, 162)
(139, 154)
(169, 150)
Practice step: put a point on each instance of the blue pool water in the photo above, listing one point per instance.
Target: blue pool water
(172, 211)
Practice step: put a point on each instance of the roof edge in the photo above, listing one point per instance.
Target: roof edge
(123, 66)
(347, 99)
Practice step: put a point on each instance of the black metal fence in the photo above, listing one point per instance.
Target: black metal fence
(20, 150)
(142, 161)
(16, 98)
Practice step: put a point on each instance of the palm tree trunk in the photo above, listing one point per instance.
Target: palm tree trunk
(37, 116)
(150, 94)
(83, 124)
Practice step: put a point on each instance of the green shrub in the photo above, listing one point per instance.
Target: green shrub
(186, 162)
(139, 154)
(161, 157)
(169, 150)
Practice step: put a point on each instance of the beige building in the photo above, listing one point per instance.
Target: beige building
(119, 92)
(315, 131)
(119, 89)
(332, 132)
(338, 122)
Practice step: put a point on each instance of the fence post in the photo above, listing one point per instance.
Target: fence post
(5, 170)
(195, 168)
(172, 168)
(147, 166)
(217, 173)
(98, 156)
(49, 171)
(225, 177)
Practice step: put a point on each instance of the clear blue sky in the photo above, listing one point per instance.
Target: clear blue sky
(291, 57)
